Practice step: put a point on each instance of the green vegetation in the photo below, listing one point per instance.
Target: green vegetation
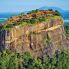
(46, 40)
(10, 60)
(57, 13)
(26, 22)
(23, 22)
(67, 31)
(50, 9)
(33, 11)
(31, 21)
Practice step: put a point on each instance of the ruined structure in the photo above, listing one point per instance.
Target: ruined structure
(38, 39)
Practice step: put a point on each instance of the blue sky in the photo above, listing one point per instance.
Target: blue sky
(25, 5)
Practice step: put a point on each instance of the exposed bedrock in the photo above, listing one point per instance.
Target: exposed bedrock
(38, 39)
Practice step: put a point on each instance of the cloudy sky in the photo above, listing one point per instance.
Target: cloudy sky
(25, 5)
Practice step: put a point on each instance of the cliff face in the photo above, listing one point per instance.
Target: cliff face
(37, 39)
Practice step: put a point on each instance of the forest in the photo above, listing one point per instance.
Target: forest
(10, 60)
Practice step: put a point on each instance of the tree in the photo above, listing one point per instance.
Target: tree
(4, 59)
(41, 19)
(32, 21)
(50, 9)
(57, 13)
(11, 60)
(66, 31)
(13, 63)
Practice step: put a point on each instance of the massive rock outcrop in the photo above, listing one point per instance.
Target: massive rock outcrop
(38, 39)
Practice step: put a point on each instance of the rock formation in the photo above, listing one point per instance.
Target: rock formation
(38, 39)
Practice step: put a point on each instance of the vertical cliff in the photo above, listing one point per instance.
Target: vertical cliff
(38, 39)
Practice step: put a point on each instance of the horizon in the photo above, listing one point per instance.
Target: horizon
(28, 5)
(33, 9)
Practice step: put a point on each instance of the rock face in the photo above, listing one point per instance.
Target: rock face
(38, 39)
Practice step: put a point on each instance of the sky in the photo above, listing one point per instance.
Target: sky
(26, 5)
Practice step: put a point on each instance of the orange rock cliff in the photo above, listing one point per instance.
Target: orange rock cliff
(46, 37)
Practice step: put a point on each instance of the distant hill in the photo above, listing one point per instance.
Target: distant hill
(64, 13)
(7, 15)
